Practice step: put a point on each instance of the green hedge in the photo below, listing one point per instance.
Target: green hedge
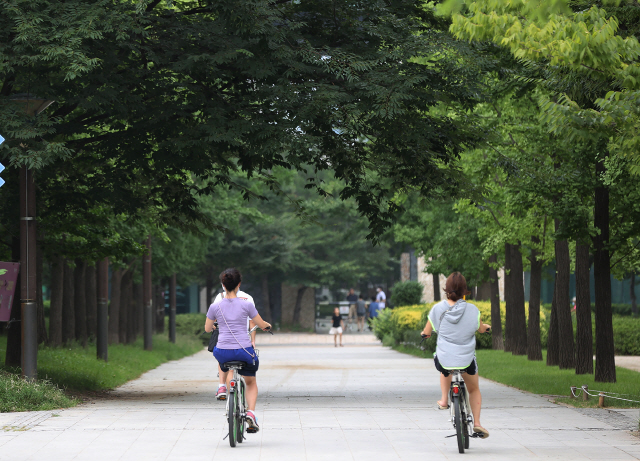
(403, 325)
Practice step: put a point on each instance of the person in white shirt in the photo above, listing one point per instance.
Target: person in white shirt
(222, 385)
(381, 298)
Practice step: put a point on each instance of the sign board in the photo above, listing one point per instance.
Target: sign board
(344, 307)
(8, 278)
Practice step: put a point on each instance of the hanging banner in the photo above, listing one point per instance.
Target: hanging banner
(8, 278)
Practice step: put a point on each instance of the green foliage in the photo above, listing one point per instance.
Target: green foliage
(17, 394)
(626, 335)
(406, 293)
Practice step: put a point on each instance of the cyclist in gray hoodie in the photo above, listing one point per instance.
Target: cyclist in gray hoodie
(456, 322)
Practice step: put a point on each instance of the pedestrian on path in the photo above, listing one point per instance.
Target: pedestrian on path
(353, 300)
(381, 298)
(234, 342)
(361, 310)
(373, 311)
(456, 322)
(336, 327)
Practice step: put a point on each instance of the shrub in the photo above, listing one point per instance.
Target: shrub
(406, 294)
(626, 335)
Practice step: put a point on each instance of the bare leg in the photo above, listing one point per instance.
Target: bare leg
(335, 340)
(475, 398)
(252, 392)
(223, 375)
(341, 339)
(445, 385)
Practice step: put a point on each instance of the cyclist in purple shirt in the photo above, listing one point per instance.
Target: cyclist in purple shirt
(234, 342)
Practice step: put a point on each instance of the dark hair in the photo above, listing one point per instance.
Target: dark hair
(360, 296)
(373, 298)
(456, 286)
(230, 278)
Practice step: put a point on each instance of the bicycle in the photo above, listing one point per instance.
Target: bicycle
(237, 401)
(460, 409)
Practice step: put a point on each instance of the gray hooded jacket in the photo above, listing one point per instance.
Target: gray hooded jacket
(456, 327)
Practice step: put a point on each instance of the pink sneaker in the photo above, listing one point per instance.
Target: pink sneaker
(222, 393)
(253, 422)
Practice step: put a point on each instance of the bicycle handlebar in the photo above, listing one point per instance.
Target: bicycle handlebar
(256, 328)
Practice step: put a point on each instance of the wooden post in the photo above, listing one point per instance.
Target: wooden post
(585, 396)
(572, 392)
(601, 400)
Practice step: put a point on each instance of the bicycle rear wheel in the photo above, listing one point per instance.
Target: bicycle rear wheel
(240, 415)
(232, 416)
(459, 423)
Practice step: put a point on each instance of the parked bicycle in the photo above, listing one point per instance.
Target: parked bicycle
(237, 401)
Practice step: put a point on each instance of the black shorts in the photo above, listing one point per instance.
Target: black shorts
(470, 370)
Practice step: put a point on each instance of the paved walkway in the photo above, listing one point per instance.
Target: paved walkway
(359, 402)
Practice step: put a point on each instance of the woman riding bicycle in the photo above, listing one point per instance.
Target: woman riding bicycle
(456, 322)
(234, 342)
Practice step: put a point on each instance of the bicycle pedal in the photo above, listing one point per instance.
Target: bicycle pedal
(225, 437)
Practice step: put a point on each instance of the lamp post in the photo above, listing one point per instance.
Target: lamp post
(28, 289)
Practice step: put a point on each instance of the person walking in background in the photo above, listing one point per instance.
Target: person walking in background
(381, 298)
(352, 299)
(361, 310)
(336, 327)
(373, 310)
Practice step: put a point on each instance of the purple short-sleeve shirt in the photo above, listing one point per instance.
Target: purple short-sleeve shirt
(232, 321)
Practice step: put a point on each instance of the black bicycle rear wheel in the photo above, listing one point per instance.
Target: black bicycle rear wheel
(466, 432)
(460, 424)
(233, 426)
(240, 417)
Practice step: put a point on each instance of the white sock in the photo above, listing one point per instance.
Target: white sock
(221, 385)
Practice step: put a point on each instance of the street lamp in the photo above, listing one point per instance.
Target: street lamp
(28, 288)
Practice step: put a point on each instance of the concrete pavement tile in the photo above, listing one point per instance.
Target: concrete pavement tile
(192, 445)
(280, 419)
(318, 419)
(326, 445)
(111, 444)
(151, 445)
(355, 419)
(281, 445)
(365, 445)
(26, 444)
(67, 445)
(393, 418)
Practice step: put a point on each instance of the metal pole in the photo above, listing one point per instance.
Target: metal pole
(29, 323)
(172, 309)
(147, 298)
(103, 310)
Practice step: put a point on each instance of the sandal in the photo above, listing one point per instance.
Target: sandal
(440, 407)
(481, 430)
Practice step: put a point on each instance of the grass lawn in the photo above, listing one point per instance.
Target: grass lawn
(77, 369)
(537, 378)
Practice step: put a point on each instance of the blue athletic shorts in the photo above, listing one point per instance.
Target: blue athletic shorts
(228, 355)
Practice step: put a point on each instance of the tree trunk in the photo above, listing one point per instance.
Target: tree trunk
(553, 353)
(496, 316)
(80, 302)
(563, 305)
(13, 357)
(68, 306)
(132, 314)
(158, 303)
(632, 288)
(125, 302)
(91, 298)
(508, 299)
(437, 296)
(114, 306)
(55, 310)
(584, 335)
(519, 315)
(137, 293)
(534, 346)
(265, 299)
(605, 352)
(298, 306)
(42, 328)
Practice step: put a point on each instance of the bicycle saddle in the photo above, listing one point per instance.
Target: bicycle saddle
(234, 364)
